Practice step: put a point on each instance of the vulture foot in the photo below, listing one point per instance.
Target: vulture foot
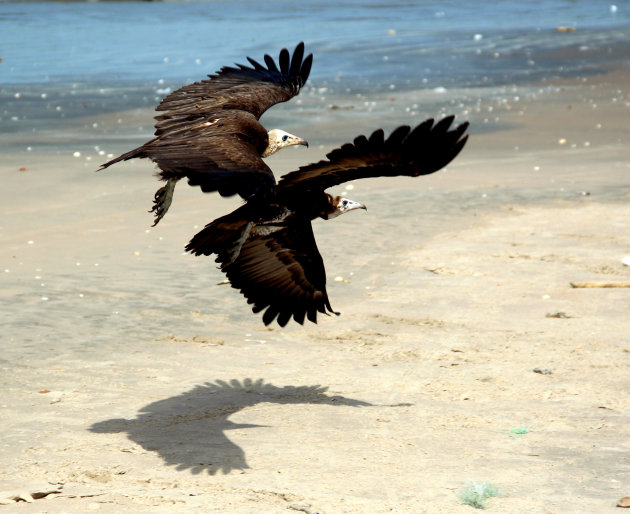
(162, 200)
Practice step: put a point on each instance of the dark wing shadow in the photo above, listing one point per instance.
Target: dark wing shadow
(188, 430)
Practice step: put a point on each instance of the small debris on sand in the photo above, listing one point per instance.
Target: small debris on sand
(558, 314)
(624, 502)
(599, 284)
(28, 493)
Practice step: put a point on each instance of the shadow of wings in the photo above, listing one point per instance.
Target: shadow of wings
(188, 431)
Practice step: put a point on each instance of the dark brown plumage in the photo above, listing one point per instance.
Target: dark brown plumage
(210, 133)
(267, 249)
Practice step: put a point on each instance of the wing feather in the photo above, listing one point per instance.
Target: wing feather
(305, 70)
(271, 64)
(282, 273)
(427, 148)
(252, 89)
(284, 61)
(209, 131)
(257, 66)
(296, 61)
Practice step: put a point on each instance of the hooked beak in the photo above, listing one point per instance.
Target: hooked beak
(341, 206)
(352, 205)
(299, 141)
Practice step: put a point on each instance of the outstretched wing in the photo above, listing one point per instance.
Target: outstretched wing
(253, 89)
(280, 269)
(425, 149)
(210, 132)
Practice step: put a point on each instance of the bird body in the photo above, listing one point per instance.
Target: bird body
(210, 133)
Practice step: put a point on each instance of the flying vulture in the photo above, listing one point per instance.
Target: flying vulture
(210, 131)
(266, 247)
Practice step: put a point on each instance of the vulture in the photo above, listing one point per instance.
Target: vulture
(210, 131)
(267, 248)
(210, 134)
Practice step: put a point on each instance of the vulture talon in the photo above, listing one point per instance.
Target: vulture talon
(162, 200)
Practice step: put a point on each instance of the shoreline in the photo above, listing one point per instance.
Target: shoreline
(140, 385)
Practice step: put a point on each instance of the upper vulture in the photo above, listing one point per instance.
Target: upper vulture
(266, 247)
(210, 131)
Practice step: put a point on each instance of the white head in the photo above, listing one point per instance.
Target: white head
(278, 139)
(341, 205)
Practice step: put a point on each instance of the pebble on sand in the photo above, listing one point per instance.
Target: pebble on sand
(624, 502)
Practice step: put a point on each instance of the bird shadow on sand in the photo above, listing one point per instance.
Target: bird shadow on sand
(189, 430)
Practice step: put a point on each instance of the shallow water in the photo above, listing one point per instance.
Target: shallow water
(66, 64)
(143, 42)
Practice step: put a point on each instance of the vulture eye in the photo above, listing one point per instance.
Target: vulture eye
(285, 137)
(344, 203)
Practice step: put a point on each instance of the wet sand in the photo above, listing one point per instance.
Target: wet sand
(131, 382)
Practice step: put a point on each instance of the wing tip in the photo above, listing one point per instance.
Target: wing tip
(299, 313)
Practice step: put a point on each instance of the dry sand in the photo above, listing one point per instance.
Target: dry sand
(139, 385)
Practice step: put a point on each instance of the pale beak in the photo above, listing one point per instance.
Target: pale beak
(352, 205)
(299, 141)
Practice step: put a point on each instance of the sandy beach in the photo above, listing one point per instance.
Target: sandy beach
(132, 382)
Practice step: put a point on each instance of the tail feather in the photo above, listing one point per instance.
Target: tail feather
(137, 153)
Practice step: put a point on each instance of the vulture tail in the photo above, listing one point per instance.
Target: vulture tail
(132, 154)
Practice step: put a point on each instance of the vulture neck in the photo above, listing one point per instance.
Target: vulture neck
(272, 148)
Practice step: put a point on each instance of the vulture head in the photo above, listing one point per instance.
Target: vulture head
(278, 139)
(340, 205)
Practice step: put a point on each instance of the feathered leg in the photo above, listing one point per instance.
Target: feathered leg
(162, 200)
